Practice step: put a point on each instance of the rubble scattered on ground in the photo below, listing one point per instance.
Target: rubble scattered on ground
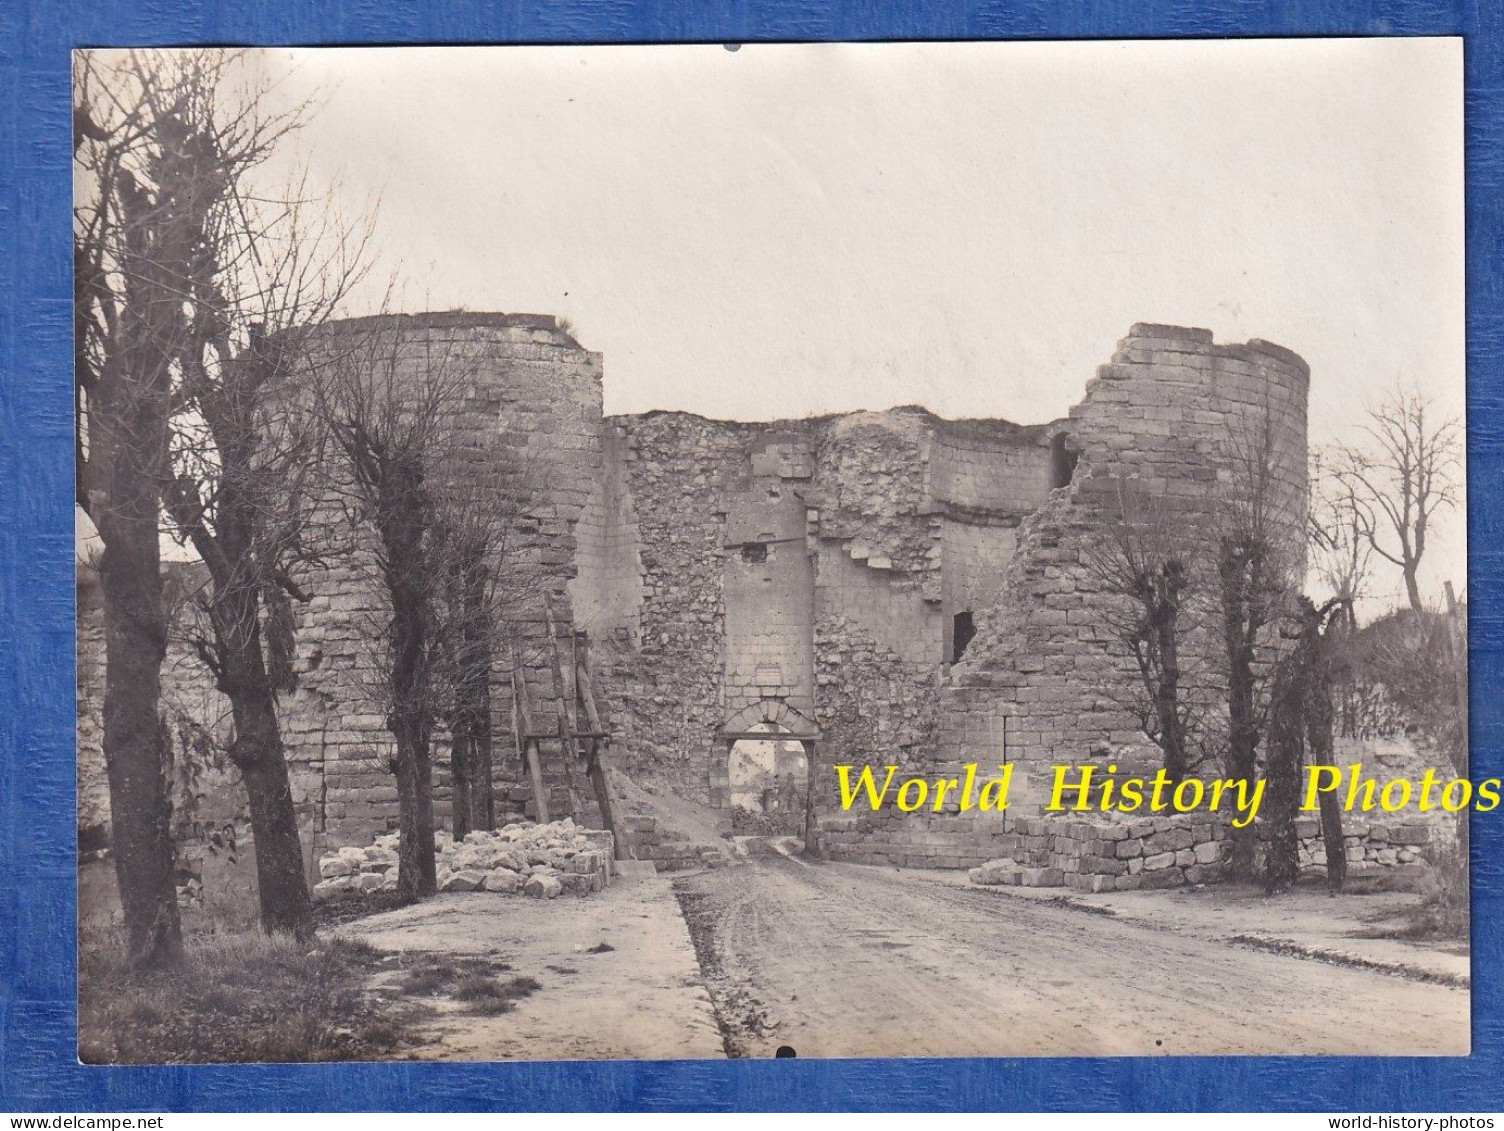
(542, 861)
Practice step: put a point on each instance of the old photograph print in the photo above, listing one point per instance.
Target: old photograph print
(898, 550)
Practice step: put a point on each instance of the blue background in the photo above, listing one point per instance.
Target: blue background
(38, 1069)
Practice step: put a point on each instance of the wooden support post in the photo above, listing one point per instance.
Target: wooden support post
(527, 744)
(599, 779)
(563, 696)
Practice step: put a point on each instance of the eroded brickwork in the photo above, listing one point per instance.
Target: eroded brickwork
(917, 589)
(531, 398)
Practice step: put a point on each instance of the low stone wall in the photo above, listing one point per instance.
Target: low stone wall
(542, 861)
(1107, 855)
(1113, 853)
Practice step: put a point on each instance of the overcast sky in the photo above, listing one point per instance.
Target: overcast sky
(784, 230)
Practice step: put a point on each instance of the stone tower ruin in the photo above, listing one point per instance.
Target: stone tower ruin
(890, 586)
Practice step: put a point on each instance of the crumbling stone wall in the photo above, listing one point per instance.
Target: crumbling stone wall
(1043, 681)
(664, 689)
(607, 587)
(803, 562)
(532, 396)
(1163, 418)
(819, 565)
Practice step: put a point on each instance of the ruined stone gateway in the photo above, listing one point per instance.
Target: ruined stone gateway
(884, 587)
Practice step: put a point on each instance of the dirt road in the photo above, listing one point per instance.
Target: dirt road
(613, 975)
(844, 960)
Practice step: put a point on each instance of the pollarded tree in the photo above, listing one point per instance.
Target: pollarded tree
(247, 280)
(387, 413)
(1145, 562)
(482, 497)
(1300, 723)
(1256, 575)
(1320, 717)
(147, 185)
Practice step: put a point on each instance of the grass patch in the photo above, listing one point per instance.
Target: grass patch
(428, 979)
(521, 986)
(470, 980)
(487, 997)
(600, 948)
(490, 1006)
(478, 988)
(1443, 909)
(238, 997)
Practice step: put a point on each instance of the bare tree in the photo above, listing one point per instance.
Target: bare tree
(1341, 556)
(253, 278)
(482, 497)
(388, 403)
(1300, 719)
(148, 184)
(1319, 708)
(242, 455)
(1256, 575)
(1145, 561)
(470, 652)
(1406, 472)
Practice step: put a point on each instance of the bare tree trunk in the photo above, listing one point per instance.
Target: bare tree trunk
(470, 717)
(459, 731)
(128, 438)
(409, 863)
(482, 801)
(1282, 864)
(239, 661)
(1412, 584)
(258, 753)
(1320, 718)
(428, 880)
(1166, 625)
(417, 870)
(417, 874)
(281, 882)
(461, 814)
(1334, 840)
(476, 686)
(136, 747)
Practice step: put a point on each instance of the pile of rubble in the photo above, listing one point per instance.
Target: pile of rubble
(542, 861)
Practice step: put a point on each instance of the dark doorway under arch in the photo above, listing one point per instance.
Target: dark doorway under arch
(1062, 461)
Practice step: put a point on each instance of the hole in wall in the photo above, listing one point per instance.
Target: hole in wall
(963, 628)
(754, 552)
(1062, 461)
